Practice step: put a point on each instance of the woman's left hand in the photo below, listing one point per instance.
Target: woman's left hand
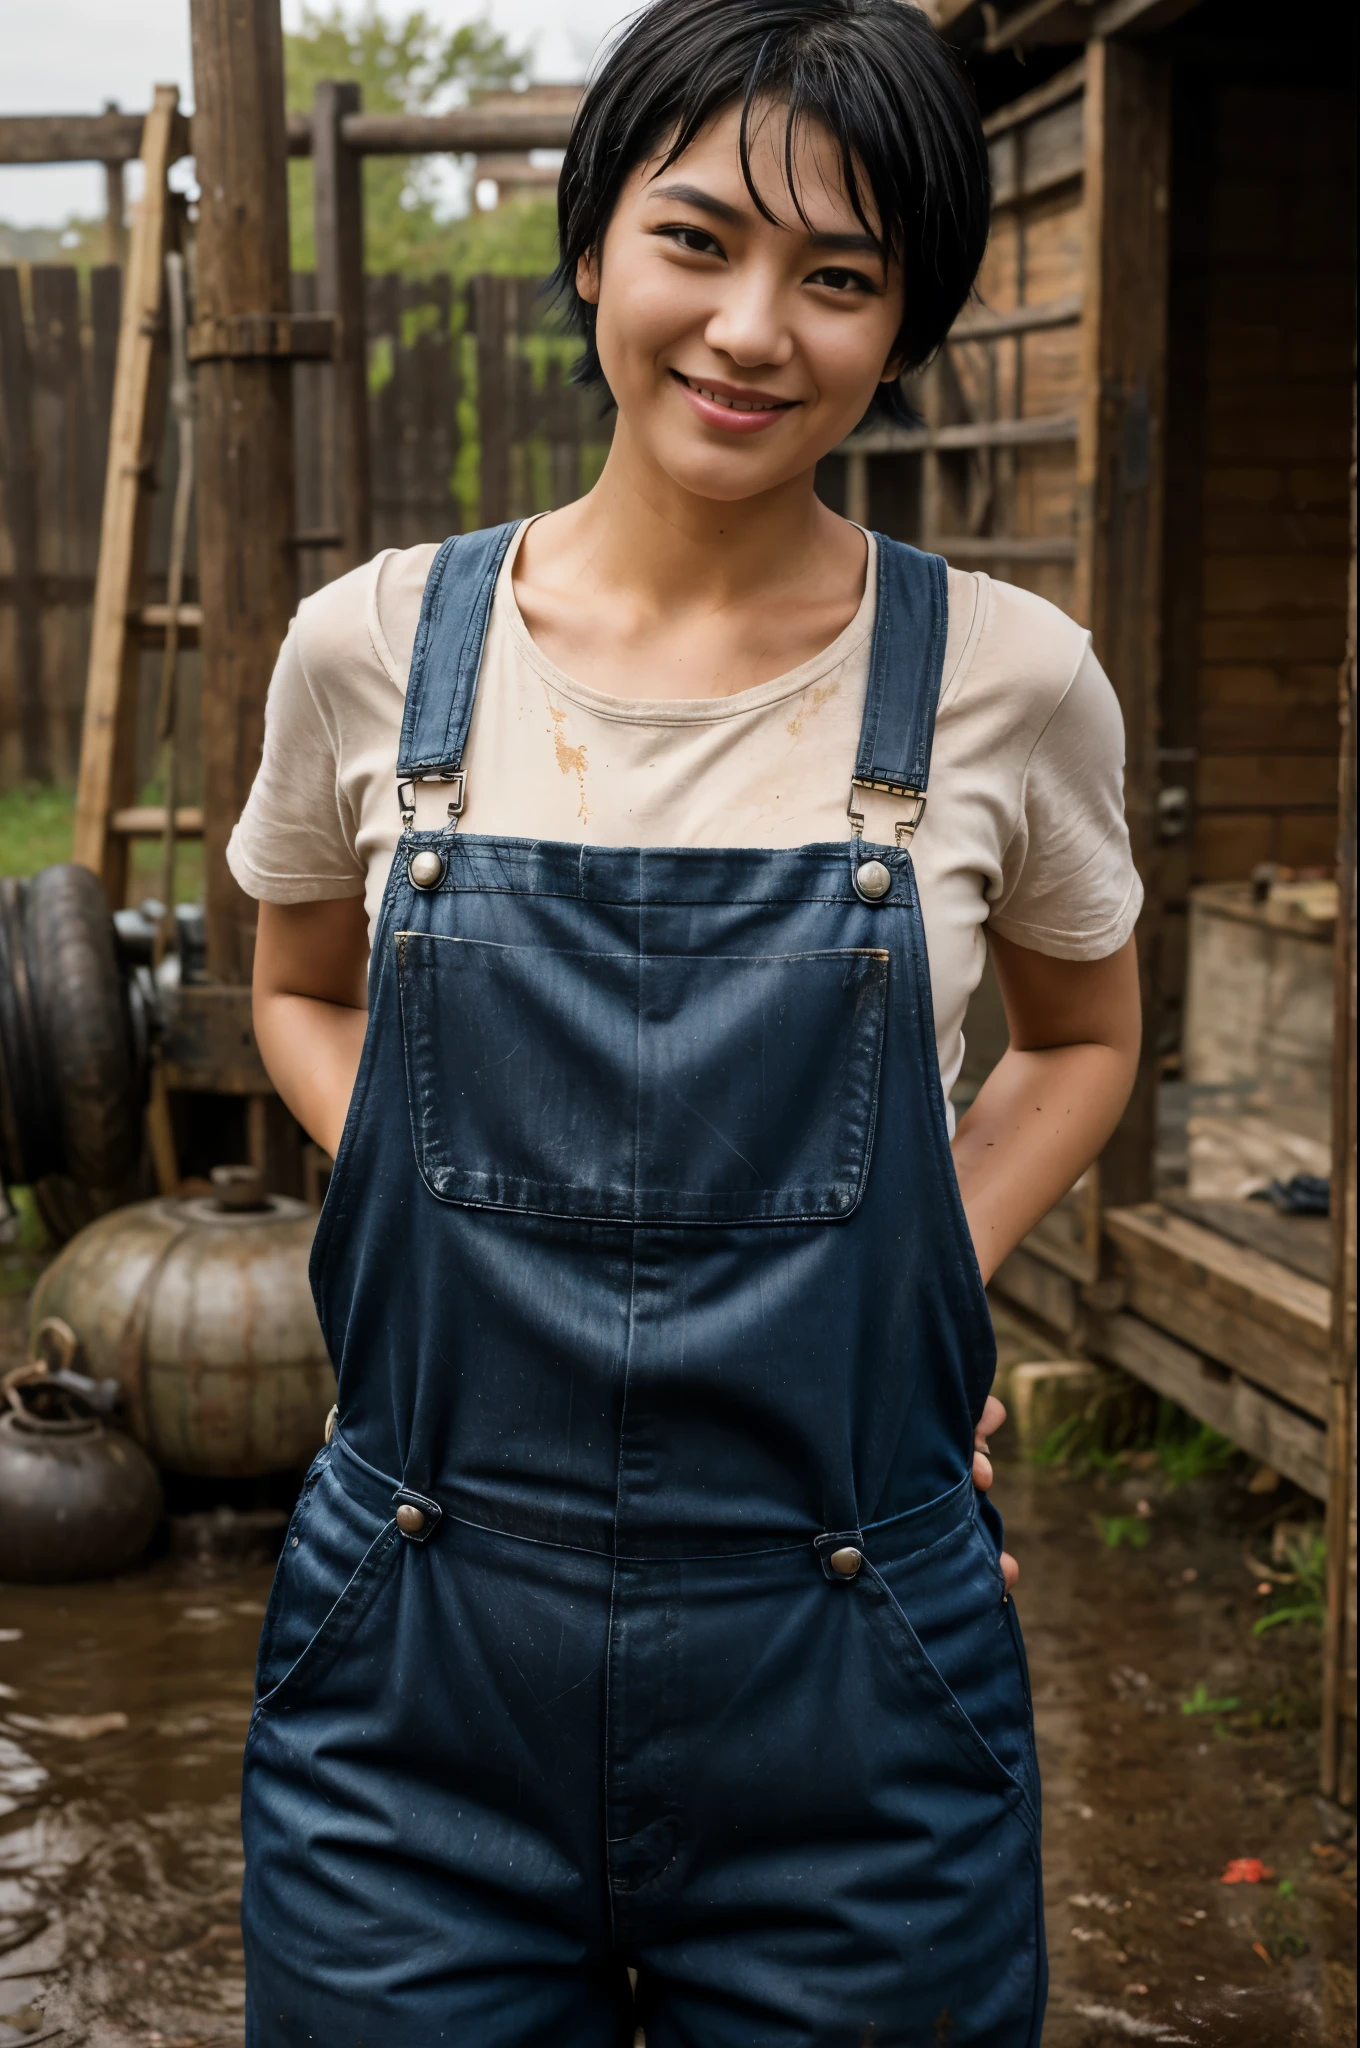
(992, 1417)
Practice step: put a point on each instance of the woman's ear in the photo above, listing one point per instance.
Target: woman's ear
(892, 370)
(588, 277)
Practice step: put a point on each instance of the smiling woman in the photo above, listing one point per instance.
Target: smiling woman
(643, 1650)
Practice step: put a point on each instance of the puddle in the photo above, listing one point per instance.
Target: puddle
(123, 1709)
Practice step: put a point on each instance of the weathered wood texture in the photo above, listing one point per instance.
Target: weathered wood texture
(1250, 1313)
(1119, 491)
(423, 439)
(543, 439)
(1339, 1660)
(108, 747)
(1259, 419)
(338, 208)
(246, 564)
(990, 482)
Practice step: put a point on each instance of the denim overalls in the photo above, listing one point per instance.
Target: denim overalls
(640, 1610)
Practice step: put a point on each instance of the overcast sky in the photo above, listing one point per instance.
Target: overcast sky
(70, 56)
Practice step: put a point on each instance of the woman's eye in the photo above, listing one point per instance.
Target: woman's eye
(698, 240)
(842, 280)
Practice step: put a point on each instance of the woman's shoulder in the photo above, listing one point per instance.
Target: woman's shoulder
(358, 631)
(1007, 639)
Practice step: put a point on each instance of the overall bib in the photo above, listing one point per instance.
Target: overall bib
(641, 1610)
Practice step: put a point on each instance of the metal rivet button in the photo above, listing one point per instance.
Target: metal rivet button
(411, 1521)
(872, 879)
(846, 1561)
(426, 869)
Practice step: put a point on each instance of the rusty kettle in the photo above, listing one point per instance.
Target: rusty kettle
(78, 1499)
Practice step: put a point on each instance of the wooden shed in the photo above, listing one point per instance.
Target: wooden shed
(1148, 417)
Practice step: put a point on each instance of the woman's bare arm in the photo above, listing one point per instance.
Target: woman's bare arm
(311, 1007)
(1051, 1102)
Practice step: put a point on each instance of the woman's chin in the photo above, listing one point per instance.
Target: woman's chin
(726, 475)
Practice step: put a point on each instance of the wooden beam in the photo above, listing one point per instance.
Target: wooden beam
(338, 217)
(1339, 1650)
(1041, 21)
(1290, 1443)
(115, 138)
(247, 581)
(1117, 17)
(466, 131)
(108, 735)
(1249, 1312)
(1032, 433)
(1119, 488)
(984, 325)
(107, 138)
(147, 821)
(1064, 85)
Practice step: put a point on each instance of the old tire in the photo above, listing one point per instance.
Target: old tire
(80, 1005)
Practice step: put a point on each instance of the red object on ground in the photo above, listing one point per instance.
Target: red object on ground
(1246, 1870)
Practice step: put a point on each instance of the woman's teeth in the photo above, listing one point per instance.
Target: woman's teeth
(733, 404)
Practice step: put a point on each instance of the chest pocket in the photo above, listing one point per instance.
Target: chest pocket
(652, 1088)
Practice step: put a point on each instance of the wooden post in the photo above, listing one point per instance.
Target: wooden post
(19, 493)
(247, 574)
(491, 305)
(115, 204)
(1338, 1674)
(108, 748)
(1119, 486)
(338, 213)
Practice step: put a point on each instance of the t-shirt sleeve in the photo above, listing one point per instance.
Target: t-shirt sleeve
(295, 840)
(1069, 887)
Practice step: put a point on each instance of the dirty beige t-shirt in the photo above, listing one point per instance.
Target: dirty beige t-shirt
(1024, 828)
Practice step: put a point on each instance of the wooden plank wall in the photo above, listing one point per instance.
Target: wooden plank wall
(541, 442)
(57, 346)
(1258, 451)
(974, 502)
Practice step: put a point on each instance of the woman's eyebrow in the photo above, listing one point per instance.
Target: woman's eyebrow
(708, 202)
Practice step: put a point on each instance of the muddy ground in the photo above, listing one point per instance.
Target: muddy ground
(123, 1708)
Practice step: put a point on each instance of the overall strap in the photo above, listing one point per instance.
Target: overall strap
(445, 662)
(905, 667)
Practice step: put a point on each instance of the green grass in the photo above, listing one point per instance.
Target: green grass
(1304, 1599)
(1199, 1702)
(1123, 1422)
(35, 832)
(35, 828)
(1118, 1530)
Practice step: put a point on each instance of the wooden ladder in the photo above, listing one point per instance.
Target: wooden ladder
(108, 818)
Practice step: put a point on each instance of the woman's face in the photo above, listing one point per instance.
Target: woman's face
(740, 351)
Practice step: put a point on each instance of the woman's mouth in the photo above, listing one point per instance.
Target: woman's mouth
(730, 408)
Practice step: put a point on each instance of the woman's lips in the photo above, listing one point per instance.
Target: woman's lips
(734, 413)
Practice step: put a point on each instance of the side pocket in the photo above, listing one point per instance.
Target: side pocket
(337, 1628)
(925, 1678)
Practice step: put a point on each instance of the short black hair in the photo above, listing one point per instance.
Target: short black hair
(874, 73)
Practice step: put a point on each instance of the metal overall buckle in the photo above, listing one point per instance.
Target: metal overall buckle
(905, 828)
(454, 778)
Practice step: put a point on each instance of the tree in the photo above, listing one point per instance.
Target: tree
(410, 65)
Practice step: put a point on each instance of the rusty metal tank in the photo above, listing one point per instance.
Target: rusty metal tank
(78, 1499)
(200, 1308)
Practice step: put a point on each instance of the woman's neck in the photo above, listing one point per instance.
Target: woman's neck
(642, 589)
(673, 552)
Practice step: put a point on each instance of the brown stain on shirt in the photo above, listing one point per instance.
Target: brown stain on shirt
(809, 703)
(571, 760)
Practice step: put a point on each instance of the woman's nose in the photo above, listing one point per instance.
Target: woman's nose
(749, 324)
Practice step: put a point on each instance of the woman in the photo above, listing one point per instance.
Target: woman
(639, 1615)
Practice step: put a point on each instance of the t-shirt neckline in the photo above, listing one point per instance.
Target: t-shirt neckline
(683, 710)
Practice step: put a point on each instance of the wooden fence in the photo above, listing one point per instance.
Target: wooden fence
(472, 419)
